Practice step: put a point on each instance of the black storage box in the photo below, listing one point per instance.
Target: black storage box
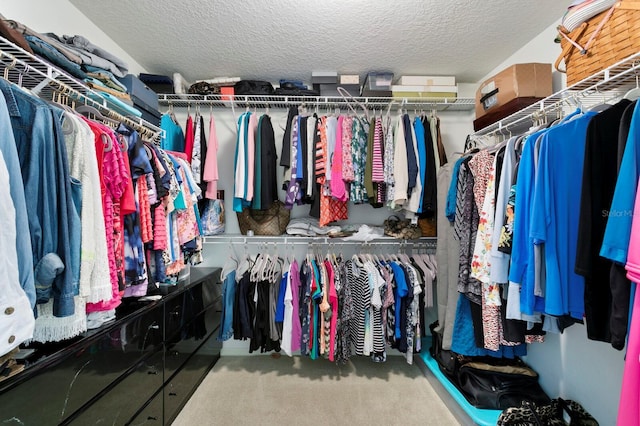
(152, 115)
(157, 83)
(136, 88)
(332, 89)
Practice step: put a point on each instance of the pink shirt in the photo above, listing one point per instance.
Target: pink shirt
(333, 301)
(629, 407)
(210, 174)
(189, 139)
(338, 190)
(633, 255)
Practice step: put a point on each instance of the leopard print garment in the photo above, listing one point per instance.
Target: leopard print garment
(528, 414)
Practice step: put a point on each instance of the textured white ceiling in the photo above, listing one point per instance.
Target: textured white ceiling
(273, 39)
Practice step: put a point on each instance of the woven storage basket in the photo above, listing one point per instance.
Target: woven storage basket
(618, 39)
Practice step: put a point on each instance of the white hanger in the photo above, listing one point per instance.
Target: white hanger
(634, 93)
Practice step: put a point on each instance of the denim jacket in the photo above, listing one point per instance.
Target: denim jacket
(16, 188)
(49, 206)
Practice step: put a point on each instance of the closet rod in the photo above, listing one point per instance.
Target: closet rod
(24, 66)
(322, 102)
(601, 87)
(294, 240)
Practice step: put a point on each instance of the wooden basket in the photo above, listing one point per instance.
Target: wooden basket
(605, 39)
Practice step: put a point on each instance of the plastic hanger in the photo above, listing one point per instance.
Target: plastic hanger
(347, 96)
(92, 112)
(634, 93)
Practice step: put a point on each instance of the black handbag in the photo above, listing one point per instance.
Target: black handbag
(499, 386)
(253, 87)
(447, 360)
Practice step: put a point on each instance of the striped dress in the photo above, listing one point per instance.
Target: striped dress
(359, 281)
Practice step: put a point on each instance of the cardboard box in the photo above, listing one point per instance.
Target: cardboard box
(350, 79)
(531, 80)
(427, 80)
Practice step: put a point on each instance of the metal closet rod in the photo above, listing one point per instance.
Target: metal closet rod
(614, 77)
(64, 88)
(311, 101)
(315, 241)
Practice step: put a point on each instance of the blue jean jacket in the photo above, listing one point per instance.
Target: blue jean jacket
(23, 244)
(49, 206)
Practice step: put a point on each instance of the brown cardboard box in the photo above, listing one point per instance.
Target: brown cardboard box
(517, 81)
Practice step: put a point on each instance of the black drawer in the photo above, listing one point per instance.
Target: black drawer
(178, 351)
(121, 402)
(151, 415)
(180, 388)
(54, 392)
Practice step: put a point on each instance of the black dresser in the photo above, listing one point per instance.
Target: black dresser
(139, 369)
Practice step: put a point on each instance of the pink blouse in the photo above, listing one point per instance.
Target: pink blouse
(211, 163)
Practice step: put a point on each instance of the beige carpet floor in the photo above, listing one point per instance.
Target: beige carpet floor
(261, 390)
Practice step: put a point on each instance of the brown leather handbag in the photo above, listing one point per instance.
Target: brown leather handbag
(401, 228)
(272, 221)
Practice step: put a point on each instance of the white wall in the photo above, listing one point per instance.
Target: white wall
(541, 49)
(63, 18)
(570, 365)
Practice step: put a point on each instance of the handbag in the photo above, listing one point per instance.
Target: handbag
(204, 88)
(552, 414)
(401, 228)
(253, 87)
(212, 218)
(272, 221)
(499, 387)
(428, 226)
(448, 361)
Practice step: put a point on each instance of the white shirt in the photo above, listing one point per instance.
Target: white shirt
(400, 165)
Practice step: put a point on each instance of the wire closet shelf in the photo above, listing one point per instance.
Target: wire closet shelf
(428, 243)
(44, 79)
(312, 102)
(607, 85)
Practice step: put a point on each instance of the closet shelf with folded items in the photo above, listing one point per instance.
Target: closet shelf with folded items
(44, 79)
(321, 102)
(604, 86)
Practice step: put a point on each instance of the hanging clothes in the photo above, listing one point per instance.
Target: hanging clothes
(210, 174)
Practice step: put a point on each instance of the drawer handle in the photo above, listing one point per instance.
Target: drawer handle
(154, 327)
(152, 418)
(173, 394)
(154, 372)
